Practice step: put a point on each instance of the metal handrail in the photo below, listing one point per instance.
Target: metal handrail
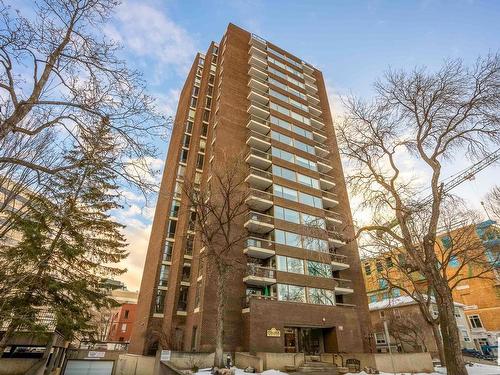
(259, 153)
(261, 173)
(260, 243)
(263, 218)
(260, 194)
(259, 271)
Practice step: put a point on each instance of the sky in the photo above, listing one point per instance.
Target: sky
(351, 42)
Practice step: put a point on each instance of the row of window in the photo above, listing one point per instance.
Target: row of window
(294, 159)
(284, 57)
(307, 267)
(297, 240)
(294, 293)
(303, 119)
(297, 217)
(286, 77)
(289, 100)
(293, 142)
(287, 88)
(291, 127)
(297, 196)
(295, 176)
(285, 67)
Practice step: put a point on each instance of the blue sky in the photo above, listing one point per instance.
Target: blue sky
(352, 42)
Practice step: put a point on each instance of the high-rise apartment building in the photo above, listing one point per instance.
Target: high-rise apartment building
(299, 293)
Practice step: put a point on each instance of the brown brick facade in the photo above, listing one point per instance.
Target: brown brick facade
(342, 327)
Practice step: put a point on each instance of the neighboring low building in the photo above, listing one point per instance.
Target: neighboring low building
(122, 322)
(480, 296)
(409, 331)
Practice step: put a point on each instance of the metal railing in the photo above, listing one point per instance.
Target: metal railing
(327, 194)
(258, 105)
(343, 283)
(259, 243)
(258, 153)
(247, 299)
(260, 173)
(338, 258)
(260, 136)
(259, 271)
(260, 194)
(261, 218)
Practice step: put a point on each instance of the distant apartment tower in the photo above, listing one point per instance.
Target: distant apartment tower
(297, 294)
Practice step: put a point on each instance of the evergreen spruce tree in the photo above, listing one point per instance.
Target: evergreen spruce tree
(67, 244)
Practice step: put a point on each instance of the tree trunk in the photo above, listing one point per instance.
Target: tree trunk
(219, 327)
(6, 337)
(451, 339)
(439, 343)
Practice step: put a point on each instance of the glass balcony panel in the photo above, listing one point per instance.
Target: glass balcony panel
(259, 276)
(257, 222)
(343, 286)
(259, 200)
(259, 248)
(258, 110)
(259, 179)
(258, 159)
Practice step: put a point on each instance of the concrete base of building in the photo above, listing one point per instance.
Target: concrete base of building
(398, 362)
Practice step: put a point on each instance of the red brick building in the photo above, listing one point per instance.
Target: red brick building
(297, 294)
(122, 322)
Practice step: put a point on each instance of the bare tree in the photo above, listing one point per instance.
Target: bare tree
(492, 203)
(58, 78)
(220, 209)
(430, 117)
(407, 331)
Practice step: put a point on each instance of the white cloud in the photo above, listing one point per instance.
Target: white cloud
(167, 103)
(147, 31)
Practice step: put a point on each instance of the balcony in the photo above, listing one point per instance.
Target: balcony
(258, 141)
(329, 200)
(319, 137)
(336, 239)
(308, 77)
(339, 262)
(258, 125)
(259, 223)
(257, 96)
(257, 41)
(259, 179)
(254, 60)
(259, 248)
(312, 98)
(258, 84)
(315, 111)
(258, 110)
(316, 123)
(311, 87)
(248, 298)
(343, 286)
(326, 182)
(258, 51)
(333, 217)
(256, 72)
(324, 165)
(307, 68)
(258, 159)
(259, 276)
(259, 200)
(321, 151)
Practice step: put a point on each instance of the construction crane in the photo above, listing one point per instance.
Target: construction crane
(465, 175)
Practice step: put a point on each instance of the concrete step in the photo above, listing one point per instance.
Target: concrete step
(318, 367)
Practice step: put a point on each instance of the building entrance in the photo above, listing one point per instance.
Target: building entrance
(311, 341)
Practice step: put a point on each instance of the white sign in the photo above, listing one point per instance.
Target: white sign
(165, 355)
(94, 354)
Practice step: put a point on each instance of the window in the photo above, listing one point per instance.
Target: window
(192, 220)
(288, 264)
(453, 262)
(293, 128)
(475, 321)
(160, 301)
(388, 262)
(286, 99)
(203, 145)
(184, 156)
(167, 251)
(211, 79)
(189, 127)
(125, 315)
(189, 245)
(380, 338)
(183, 296)
(285, 67)
(196, 91)
(287, 88)
(396, 292)
(193, 102)
(319, 269)
(174, 208)
(310, 200)
(290, 113)
(197, 294)
(206, 115)
(171, 226)
(379, 266)
(186, 272)
(286, 214)
(124, 327)
(291, 293)
(286, 193)
(295, 240)
(204, 129)
(446, 241)
(186, 140)
(208, 102)
(164, 272)
(373, 298)
(465, 334)
(285, 76)
(382, 283)
(296, 177)
(321, 296)
(368, 269)
(199, 161)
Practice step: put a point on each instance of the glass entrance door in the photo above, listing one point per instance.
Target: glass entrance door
(290, 335)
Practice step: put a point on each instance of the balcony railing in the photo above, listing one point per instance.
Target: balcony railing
(335, 216)
(247, 299)
(344, 286)
(258, 140)
(338, 258)
(259, 271)
(259, 200)
(258, 109)
(258, 96)
(260, 218)
(259, 179)
(257, 72)
(258, 124)
(258, 83)
(260, 194)
(258, 158)
(259, 248)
